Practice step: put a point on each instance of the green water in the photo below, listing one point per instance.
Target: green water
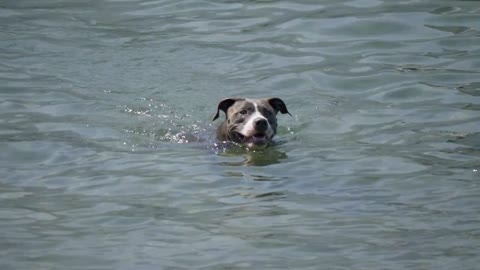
(107, 156)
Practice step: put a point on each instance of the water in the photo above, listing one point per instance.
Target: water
(107, 159)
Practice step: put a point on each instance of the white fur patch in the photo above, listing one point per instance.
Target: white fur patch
(249, 127)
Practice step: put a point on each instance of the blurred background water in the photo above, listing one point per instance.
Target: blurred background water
(107, 158)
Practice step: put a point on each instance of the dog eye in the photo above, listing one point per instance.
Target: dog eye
(243, 112)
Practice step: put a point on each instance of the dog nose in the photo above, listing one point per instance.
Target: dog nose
(261, 124)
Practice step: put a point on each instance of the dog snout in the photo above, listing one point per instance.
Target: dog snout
(261, 124)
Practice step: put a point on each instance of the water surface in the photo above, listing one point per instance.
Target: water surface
(107, 149)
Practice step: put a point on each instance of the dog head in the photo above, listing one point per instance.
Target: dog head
(251, 122)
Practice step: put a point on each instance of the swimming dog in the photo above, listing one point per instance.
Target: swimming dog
(249, 122)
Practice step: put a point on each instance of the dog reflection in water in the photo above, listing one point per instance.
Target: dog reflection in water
(265, 157)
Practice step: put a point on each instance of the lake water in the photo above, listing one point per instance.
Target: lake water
(108, 159)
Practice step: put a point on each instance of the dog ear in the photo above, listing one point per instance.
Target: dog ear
(224, 105)
(278, 105)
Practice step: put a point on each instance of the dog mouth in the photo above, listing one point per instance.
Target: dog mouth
(257, 139)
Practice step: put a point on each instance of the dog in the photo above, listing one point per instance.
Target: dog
(249, 122)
